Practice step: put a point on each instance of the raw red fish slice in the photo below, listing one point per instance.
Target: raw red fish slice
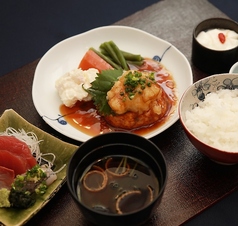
(19, 148)
(13, 162)
(6, 177)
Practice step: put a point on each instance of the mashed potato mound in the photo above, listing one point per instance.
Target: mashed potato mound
(69, 86)
(215, 120)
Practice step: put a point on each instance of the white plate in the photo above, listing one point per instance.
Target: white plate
(66, 55)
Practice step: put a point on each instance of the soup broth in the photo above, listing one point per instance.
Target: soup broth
(117, 185)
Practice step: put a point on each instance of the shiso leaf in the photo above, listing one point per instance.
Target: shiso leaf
(100, 86)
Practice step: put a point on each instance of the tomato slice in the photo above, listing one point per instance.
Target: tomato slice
(92, 60)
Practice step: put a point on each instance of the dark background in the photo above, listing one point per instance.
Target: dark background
(29, 28)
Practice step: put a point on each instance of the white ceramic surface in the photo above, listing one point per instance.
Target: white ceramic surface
(234, 68)
(66, 55)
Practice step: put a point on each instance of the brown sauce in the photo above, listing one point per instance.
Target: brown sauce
(84, 117)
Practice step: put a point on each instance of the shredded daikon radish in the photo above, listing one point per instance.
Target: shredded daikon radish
(50, 163)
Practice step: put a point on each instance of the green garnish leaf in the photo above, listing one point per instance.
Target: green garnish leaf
(100, 86)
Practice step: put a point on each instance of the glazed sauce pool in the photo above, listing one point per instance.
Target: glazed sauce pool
(84, 117)
(117, 185)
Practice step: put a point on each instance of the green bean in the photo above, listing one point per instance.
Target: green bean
(108, 60)
(119, 55)
(117, 58)
(131, 57)
(138, 63)
(110, 51)
(104, 52)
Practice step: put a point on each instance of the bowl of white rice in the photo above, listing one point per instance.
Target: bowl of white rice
(208, 111)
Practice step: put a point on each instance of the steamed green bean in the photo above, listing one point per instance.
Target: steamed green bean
(117, 58)
(107, 59)
(120, 56)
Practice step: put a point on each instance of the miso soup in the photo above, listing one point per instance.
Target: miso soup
(117, 185)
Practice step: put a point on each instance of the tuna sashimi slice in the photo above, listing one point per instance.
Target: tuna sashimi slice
(18, 148)
(6, 177)
(13, 162)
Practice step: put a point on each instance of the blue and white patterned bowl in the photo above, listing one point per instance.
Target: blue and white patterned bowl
(191, 98)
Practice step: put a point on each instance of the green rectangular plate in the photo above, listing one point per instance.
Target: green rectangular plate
(63, 152)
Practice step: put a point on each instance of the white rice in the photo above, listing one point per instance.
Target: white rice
(215, 120)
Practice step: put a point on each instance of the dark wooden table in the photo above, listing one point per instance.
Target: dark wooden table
(194, 182)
